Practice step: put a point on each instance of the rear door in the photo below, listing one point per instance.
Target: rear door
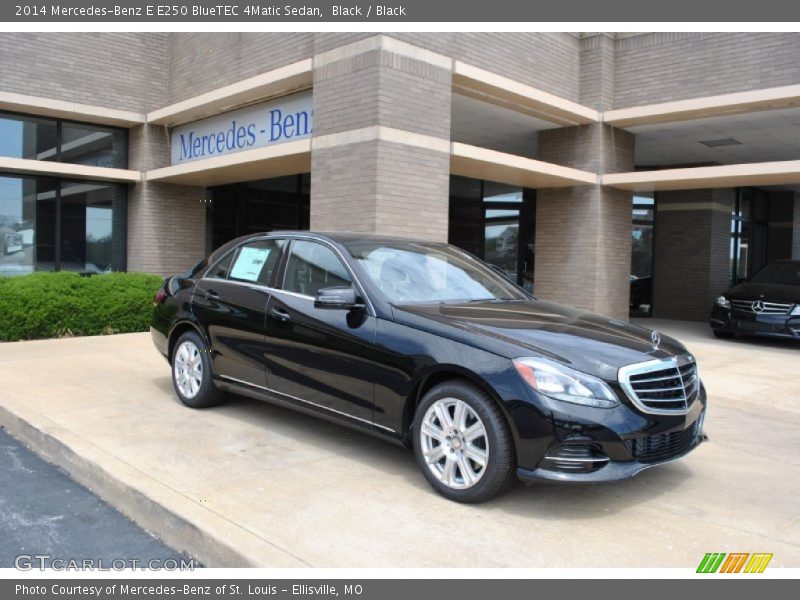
(321, 357)
(230, 302)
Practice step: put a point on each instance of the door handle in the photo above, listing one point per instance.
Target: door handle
(212, 295)
(280, 314)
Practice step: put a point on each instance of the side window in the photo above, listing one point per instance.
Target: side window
(312, 267)
(220, 270)
(255, 262)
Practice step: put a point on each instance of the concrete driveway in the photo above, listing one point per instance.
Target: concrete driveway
(252, 484)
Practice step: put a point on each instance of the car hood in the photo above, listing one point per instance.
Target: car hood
(590, 343)
(770, 292)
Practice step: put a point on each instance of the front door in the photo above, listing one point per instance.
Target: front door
(321, 357)
(230, 302)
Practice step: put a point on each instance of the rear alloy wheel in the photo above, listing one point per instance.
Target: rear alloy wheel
(462, 443)
(191, 373)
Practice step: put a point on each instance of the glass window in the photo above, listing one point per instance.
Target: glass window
(20, 199)
(221, 269)
(28, 137)
(88, 240)
(255, 262)
(416, 272)
(312, 267)
(36, 138)
(93, 145)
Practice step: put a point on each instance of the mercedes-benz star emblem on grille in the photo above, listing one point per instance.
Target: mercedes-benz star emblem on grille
(758, 306)
(655, 337)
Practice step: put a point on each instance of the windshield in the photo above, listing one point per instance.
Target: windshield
(779, 273)
(427, 273)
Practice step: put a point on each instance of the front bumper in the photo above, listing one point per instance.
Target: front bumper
(586, 444)
(610, 471)
(723, 319)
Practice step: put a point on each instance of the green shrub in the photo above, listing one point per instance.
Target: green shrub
(45, 305)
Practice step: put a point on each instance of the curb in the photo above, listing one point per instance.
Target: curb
(173, 518)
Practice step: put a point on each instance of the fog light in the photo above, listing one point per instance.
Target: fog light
(574, 458)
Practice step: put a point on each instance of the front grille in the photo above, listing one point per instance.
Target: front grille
(760, 307)
(661, 386)
(656, 448)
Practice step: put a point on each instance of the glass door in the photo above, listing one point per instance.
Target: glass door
(495, 222)
(641, 294)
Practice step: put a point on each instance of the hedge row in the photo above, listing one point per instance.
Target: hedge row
(46, 305)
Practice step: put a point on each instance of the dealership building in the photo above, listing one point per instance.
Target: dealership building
(636, 173)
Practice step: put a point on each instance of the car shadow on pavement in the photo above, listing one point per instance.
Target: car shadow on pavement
(543, 500)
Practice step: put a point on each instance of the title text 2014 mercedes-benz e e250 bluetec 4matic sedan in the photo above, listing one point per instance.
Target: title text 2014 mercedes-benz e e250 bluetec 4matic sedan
(423, 344)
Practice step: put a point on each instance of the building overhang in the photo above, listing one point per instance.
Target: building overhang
(785, 172)
(261, 163)
(59, 109)
(490, 87)
(481, 163)
(278, 82)
(24, 166)
(708, 106)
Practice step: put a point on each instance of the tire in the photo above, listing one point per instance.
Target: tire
(723, 335)
(445, 460)
(191, 373)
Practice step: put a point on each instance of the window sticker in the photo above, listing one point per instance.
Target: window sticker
(249, 263)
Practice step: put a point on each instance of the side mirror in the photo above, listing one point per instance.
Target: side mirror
(338, 297)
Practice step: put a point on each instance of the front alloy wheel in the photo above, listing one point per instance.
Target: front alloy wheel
(463, 443)
(454, 443)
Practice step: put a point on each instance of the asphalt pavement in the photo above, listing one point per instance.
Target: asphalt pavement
(45, 513)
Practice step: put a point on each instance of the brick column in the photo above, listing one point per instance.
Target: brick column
(691, 264)
(380, 157)
(166, 222)
(583, 234)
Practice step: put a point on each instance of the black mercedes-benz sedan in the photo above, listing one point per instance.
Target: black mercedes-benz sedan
(767, 304)
(423, 344)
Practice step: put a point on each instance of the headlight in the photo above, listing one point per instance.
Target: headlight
(723, 302)
(562, 383)
(795, 311)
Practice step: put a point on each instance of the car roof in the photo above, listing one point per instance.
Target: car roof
(341, 237)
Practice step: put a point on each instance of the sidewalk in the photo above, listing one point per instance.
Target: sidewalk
(248, 483)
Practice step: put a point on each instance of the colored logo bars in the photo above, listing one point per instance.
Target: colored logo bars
(736, 562)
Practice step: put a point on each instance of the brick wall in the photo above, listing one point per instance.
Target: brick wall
(378, 185)
(166, 223)
(583, 234)
(166, 227)
(583, 248)
(691, 255)
(118, 70)
(202, 61)
(659, 67)
(547, 60)
(597, 71)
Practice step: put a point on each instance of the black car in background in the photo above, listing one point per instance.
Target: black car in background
(767, 304)
(423, 344)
